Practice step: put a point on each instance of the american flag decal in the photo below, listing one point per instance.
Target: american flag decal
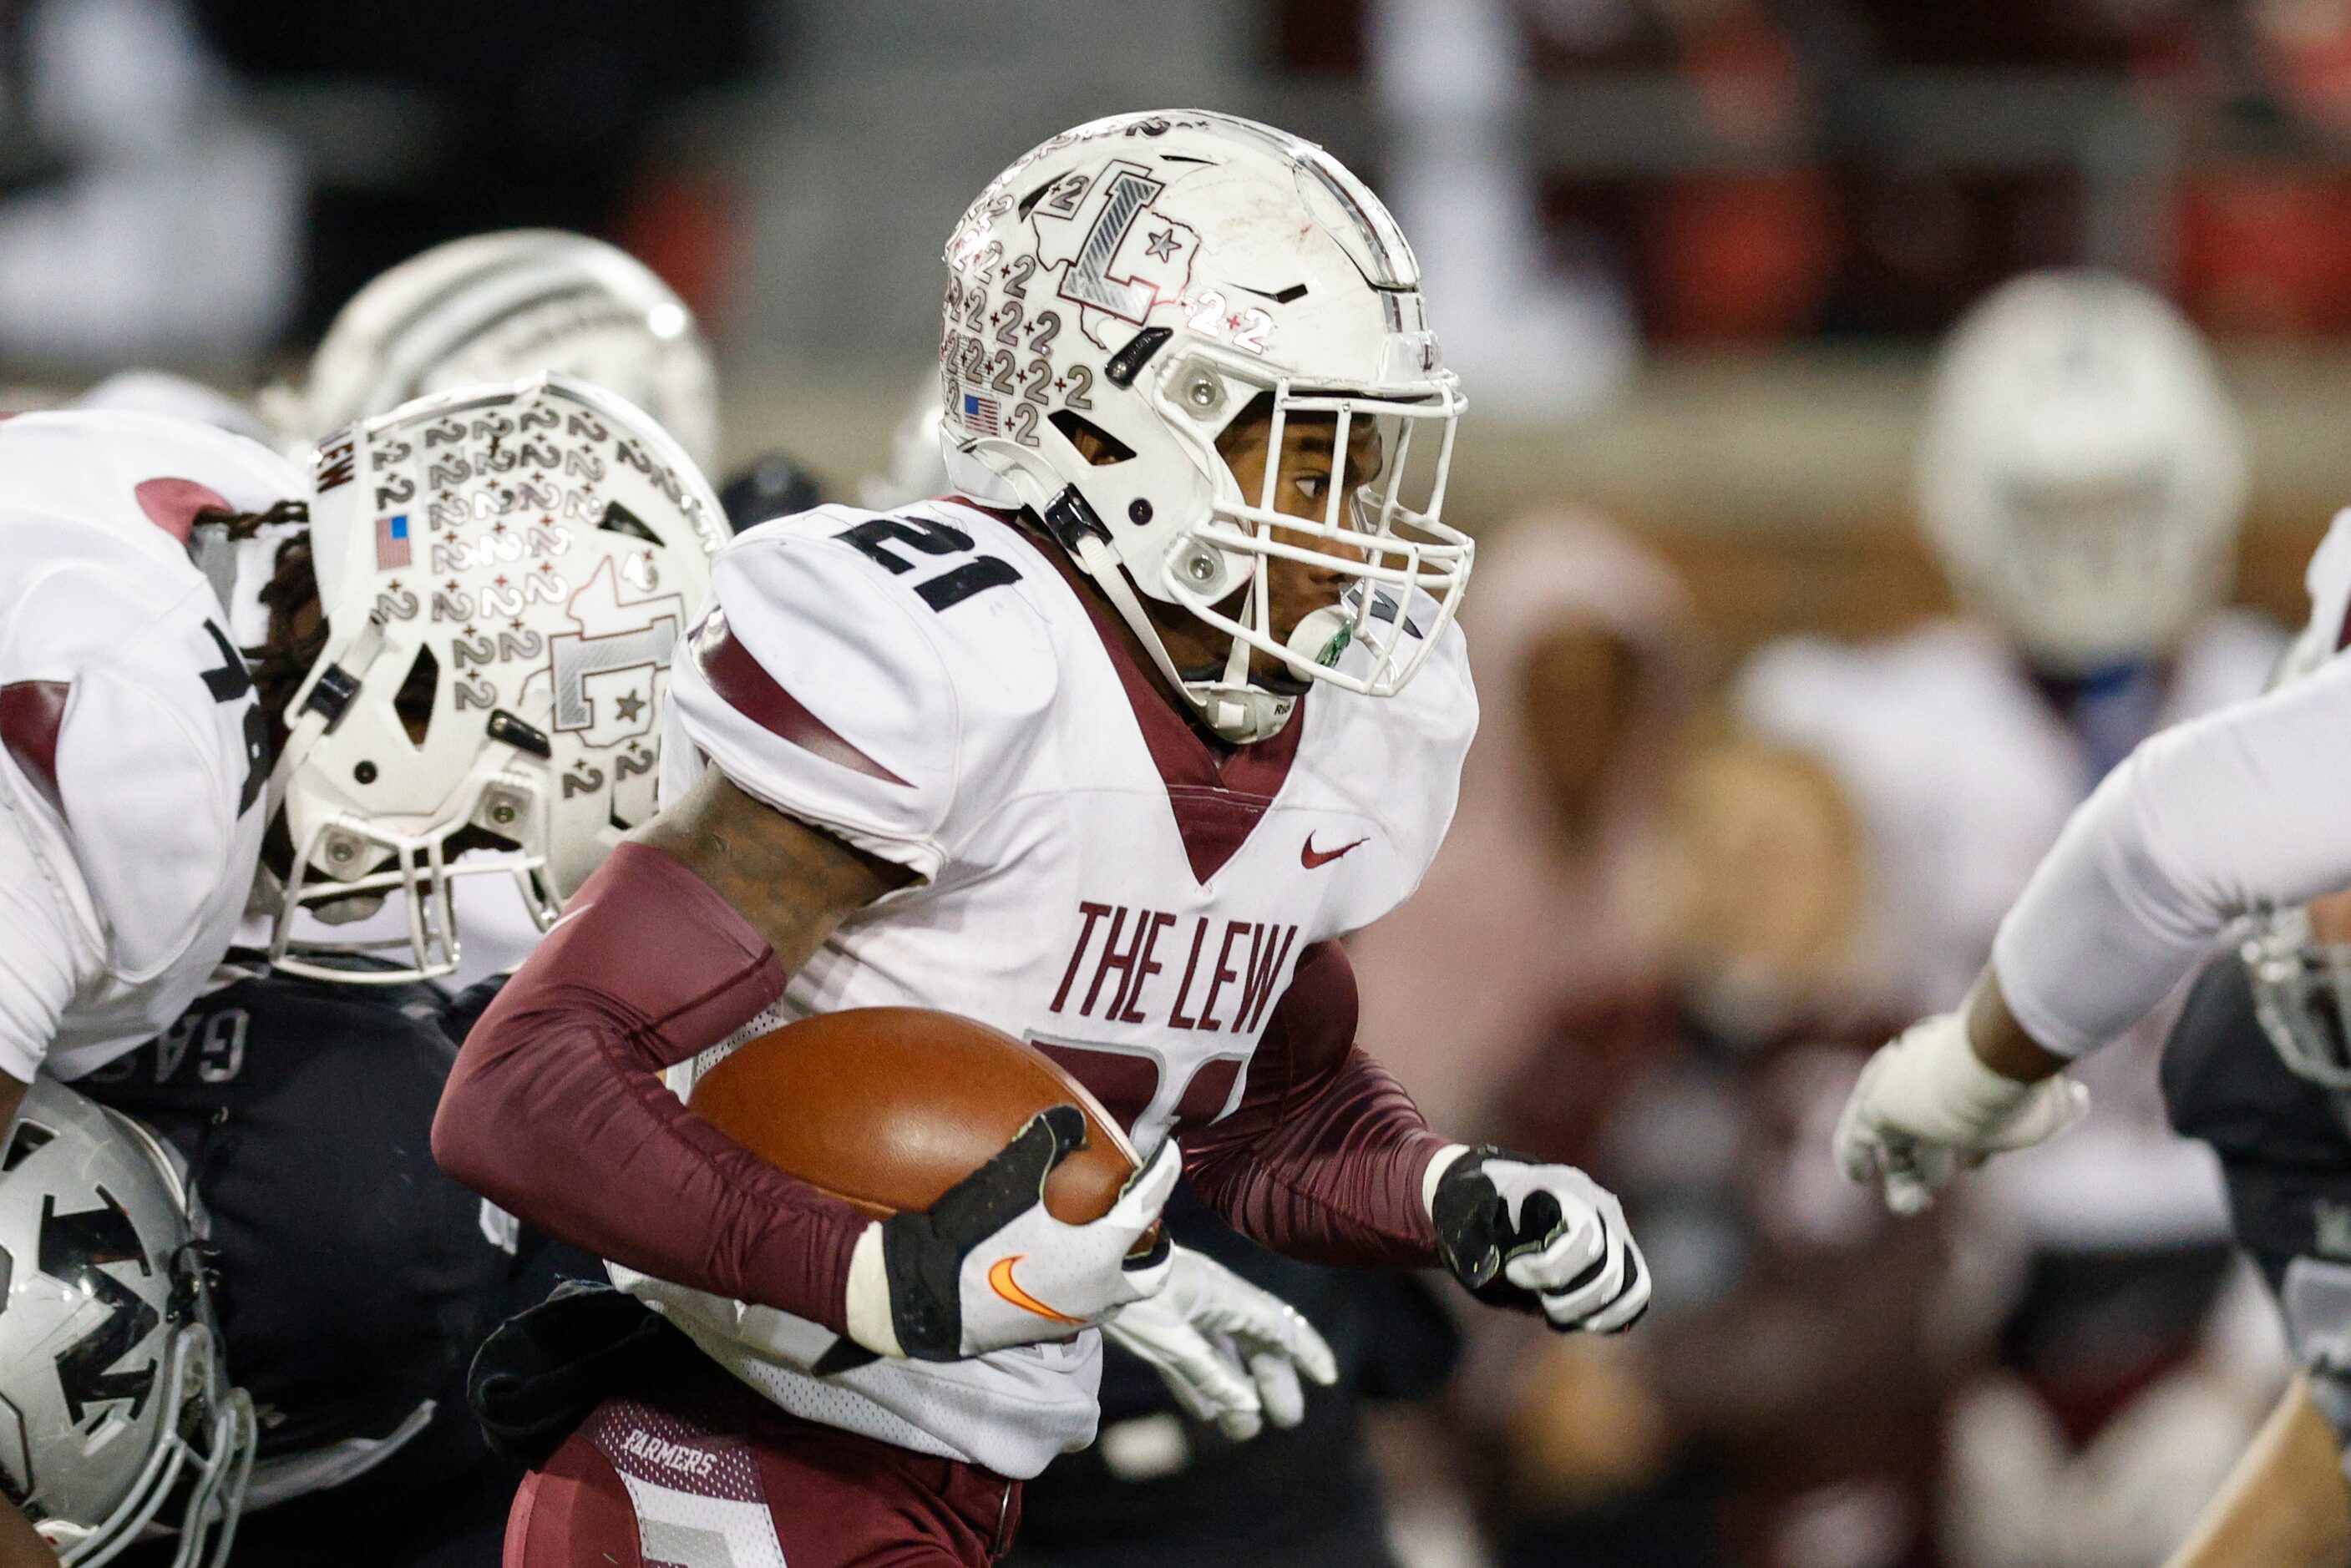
(392, 542)
(980, 414)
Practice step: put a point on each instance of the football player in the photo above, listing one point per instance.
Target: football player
(1107, 750)
(2080, 478)
(2229, 815)
(468, 659)
(134, 757)
(2258, 1067)
(490, 309)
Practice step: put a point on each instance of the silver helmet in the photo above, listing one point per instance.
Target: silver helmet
(499, 306)
(117, 1418)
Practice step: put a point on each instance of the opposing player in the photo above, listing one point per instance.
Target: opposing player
(2258, 1067)
(132, 805)
(2233, 815)
(1107, 752)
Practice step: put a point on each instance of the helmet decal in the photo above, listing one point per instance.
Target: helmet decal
(488, 701)
(1123, 295)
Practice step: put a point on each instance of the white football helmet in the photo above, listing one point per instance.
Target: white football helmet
(1142, 281)
(115, 1411)
(2083, 473)
(504, 572)
(493, 307)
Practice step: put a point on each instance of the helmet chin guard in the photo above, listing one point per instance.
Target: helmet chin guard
(505, 572)
(1123, 299)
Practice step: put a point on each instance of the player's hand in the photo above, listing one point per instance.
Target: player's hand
(1229, 1352)
(986, 1267)
(1543, 1238)
(1926, 1107)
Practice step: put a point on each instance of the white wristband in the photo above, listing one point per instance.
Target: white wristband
(1438, 1164)
(867, 1308)
(1942, 1092)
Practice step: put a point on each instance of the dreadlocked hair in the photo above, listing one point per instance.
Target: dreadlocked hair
(298, 624)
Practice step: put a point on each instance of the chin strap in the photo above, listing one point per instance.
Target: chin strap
(1238, 713)
(1234, 710)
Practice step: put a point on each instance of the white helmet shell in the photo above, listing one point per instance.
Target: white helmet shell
(1145, 280)
(112, 1395)
(504, 571)
(2083, 473)
(499, 306)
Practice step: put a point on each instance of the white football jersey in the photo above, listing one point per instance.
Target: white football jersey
(929, 687)
(132, 752)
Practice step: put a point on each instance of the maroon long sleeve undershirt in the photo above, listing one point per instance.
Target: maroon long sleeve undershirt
(1323, 1157)
(556, 1111)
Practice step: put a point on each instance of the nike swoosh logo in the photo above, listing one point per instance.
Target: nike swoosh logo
(1000, 1280)
(1310, 857)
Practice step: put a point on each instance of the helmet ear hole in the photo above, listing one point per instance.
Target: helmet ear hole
(414, 702)
(1095, 444)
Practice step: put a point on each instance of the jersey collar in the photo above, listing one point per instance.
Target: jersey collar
(1216, 793)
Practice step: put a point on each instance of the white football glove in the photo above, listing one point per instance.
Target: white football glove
(1229, 1352)
(1538, 1238)
(986, 1268)
(1927, 1106)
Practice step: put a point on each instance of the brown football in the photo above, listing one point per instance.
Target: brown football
(887, 1107)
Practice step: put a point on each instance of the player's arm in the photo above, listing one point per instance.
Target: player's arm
(556, 1110)
(21, 1546)
(42, 956)
(2238, 811)
(1327, 1158)
(2285, 1505)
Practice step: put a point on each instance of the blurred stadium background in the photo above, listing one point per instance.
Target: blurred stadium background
(1691, 257)
(1738, 225)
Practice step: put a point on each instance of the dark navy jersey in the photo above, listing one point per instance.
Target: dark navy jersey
(2281, 1139)
(354, 1277)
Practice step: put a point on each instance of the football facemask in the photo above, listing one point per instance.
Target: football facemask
(133, 1422)
(1123, 296)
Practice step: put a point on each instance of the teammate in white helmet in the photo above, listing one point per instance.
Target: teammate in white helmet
(491, 308)
(1107, 750)
(464, 654)
(133, 761)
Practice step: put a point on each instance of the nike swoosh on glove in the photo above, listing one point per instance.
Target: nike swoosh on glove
(986, 1268)
(1543, 1238)
(1925, 1104)
(1228, 1351)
